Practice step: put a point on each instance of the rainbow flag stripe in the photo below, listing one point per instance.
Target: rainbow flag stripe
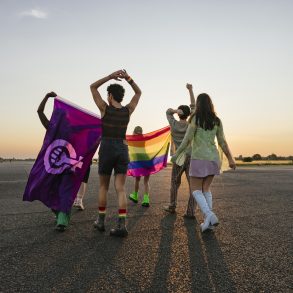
(148, 152)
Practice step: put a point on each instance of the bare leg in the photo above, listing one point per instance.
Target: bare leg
(146, 180)
(207, 183)
(136, 185)
(119, 183)
(196, 183)
(81, 191)
(102, 202)
(78, 200)
(103, 190)
(146, 197)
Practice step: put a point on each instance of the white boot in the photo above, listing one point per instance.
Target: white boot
(210, 217)
(209, 198)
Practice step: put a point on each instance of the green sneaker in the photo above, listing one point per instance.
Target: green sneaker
(133, 197)
(62, 221)
(146, 201)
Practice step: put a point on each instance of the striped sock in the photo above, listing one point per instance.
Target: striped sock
(122, 213)
(102, 211)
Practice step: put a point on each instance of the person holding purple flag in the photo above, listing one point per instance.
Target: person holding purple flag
(62, 219)
(72, 137)
(113, 153)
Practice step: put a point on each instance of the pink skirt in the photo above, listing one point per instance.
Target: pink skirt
(203, 168)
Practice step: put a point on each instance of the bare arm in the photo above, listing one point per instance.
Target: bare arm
(137, 92)
(169, 114)
(191, 94)
(96, 95)
(224, 146)
(41, 108)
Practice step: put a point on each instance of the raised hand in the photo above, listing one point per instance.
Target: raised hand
(51, 94)
(189, 86)
(117, 75)
(125, 75)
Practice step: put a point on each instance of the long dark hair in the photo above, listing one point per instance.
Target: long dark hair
(205, 115)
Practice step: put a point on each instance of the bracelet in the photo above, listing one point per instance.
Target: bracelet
(130, 80)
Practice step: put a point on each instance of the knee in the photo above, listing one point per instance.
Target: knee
(120, 188)
(104, 187)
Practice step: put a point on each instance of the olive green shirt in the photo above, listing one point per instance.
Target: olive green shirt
(178, 130)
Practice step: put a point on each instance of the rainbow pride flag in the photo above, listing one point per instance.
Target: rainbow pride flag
(148, 152)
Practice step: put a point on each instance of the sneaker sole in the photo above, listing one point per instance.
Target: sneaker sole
(133, 200)
(60, 228)
(124, 234)
(101, 229)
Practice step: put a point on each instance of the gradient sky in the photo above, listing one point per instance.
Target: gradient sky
(239, 52)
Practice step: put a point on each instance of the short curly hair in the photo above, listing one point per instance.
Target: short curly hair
(117, 91)
(137, 130)
(186, 111)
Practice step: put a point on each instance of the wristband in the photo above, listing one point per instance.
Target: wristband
(130, 80)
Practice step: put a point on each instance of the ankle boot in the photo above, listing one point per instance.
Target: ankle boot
(120, 230)
(100, 223)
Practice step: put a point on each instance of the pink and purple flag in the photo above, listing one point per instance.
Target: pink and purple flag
(70, 143)
(148, 152)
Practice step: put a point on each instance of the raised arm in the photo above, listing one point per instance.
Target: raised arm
(170, 115)
(191, 94)
(94, 89)
(41, 109)
(224, 146)
(137, 92)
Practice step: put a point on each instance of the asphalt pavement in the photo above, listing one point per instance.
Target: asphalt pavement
(250, 251)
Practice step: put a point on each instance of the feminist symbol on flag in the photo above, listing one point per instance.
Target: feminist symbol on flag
(61, 155)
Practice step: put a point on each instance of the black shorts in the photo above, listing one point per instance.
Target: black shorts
(113, 154)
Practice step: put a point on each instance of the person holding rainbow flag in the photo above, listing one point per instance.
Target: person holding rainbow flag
(134, 195)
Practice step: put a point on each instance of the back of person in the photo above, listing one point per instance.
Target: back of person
(204, 164)
(115, 121)
(204, 142)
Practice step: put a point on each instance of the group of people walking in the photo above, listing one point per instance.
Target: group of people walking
(193, 149)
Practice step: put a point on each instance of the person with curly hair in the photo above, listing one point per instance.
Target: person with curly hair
(113, 152)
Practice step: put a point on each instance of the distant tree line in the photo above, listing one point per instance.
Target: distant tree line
(258, 157)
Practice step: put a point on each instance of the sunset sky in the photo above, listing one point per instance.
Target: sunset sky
(239, 52)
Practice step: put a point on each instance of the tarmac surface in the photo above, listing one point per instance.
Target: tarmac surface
(250, 251)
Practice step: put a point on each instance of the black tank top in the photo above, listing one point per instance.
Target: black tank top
(114, 122)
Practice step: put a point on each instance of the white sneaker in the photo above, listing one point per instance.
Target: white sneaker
(78, 204)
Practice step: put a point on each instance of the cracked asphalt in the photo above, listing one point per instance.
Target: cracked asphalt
(250, 251)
